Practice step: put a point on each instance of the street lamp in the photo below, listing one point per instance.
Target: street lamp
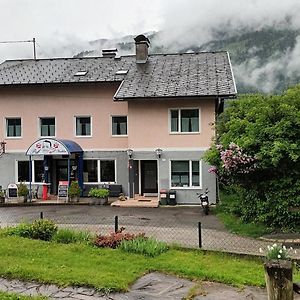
(129, 153)
(158, 152)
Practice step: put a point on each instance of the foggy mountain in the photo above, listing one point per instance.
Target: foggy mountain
(264, 60)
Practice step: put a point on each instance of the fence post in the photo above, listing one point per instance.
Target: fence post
(41, 215)
(116, 223)
(200, 234)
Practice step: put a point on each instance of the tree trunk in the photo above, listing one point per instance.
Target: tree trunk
(279, 280)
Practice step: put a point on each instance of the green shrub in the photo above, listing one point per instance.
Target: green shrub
(23, 190)
(74, 189)
(146, 246)
(98, 193)
(43, 229)
(67, 236)
(22, 230)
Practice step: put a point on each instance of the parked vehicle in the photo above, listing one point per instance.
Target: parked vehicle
(204, 201)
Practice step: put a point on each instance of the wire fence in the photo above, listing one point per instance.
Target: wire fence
(190, 235)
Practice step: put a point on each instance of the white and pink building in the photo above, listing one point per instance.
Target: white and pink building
(141, 121)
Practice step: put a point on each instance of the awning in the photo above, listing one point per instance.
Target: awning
(51, 146)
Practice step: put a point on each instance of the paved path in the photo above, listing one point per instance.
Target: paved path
(153, 286)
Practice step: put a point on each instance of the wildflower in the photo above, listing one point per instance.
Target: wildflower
(280, 251)
(279, 256)
(260, 250)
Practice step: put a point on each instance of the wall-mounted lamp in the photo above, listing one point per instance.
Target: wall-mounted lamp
(129, 153)
(2, 147)
(158, 152)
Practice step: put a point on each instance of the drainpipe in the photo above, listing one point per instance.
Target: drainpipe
(30, 178)
(80, 172)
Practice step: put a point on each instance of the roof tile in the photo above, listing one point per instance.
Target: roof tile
(168, 75)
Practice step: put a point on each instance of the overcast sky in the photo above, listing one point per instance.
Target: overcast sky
(63, 27)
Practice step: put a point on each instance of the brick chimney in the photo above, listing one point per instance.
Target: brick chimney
(141, 49)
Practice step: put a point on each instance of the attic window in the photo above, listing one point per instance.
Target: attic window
(121, 72)
(81, 73)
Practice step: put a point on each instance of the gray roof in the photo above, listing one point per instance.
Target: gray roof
(164, 75)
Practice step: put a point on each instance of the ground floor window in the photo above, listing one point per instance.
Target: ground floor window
(185, 173)
(23, 171)
(97, 171)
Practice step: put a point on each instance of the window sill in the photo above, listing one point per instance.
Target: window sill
(184, 133)
(119, 136)
(13, 137)
(186, 188)
(83, 136)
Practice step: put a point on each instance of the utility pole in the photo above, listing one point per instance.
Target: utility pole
(34, 51)
(33, 41)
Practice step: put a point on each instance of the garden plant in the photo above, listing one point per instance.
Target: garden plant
(256, 154)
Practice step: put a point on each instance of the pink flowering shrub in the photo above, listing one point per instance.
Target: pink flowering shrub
(233, 162)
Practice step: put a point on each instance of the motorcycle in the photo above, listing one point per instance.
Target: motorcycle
(204, 201)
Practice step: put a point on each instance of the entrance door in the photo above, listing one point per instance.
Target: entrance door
(62, 170)
(149, 176)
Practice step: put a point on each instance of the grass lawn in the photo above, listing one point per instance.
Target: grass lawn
(235, 225)
(12, 296)
(114, 270)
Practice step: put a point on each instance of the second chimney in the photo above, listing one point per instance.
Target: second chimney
(141, 49)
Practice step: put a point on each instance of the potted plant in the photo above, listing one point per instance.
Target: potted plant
(278, 272)
(2, 196)
(99, 196)
(74, 191)
(23, 191)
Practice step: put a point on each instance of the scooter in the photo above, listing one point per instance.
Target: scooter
(204, 201)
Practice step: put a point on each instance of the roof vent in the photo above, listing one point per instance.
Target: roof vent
(81, 73)
(109, 52)
(121, 72)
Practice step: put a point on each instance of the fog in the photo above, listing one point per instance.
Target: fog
(65, 28)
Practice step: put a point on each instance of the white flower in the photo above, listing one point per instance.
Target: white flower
(279, 256)
(274, 245)
(284, 247)
(291, 248)
(260, 250)
(268, 247)
(295, 251)
(280, 251)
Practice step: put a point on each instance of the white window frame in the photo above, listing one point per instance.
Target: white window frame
(5, 128)
(32, 174)
(191, 187)
(75, 131)
(40, 129)
(179, 120)
(111, 126)
(99, 171)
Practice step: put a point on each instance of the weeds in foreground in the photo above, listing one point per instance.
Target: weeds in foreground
(148, 247)
(68, 236)
(13, 296)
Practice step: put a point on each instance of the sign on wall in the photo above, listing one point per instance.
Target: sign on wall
(47, 147)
